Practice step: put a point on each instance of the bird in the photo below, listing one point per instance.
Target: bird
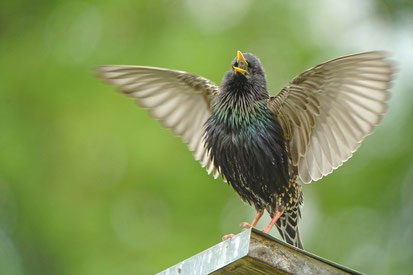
(265, 147)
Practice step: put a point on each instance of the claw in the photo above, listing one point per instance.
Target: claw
(245, 225)
(228, 236)
(266, 230)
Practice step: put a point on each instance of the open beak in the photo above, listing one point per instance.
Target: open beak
(242, 64)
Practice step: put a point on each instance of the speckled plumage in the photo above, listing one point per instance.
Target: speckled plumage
(265, 146)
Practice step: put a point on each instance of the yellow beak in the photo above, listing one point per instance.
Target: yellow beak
(240, 57)
(239, 70)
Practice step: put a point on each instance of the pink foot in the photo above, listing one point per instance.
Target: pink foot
(277, 215)
(228, 236)
(266, 230)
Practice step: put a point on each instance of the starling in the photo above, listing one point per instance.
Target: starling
(266, 146)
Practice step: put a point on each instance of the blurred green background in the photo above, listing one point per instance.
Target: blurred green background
(90, 184)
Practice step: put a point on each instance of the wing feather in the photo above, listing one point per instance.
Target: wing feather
(331, 108)
(180, 100)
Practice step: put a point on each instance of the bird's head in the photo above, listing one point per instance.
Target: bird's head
(246, 74)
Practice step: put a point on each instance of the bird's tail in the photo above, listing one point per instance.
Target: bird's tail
(287, 225)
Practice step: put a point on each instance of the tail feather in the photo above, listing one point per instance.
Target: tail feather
(287, 226)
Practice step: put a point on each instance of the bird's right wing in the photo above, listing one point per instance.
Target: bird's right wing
(180, 100)
(328, 110)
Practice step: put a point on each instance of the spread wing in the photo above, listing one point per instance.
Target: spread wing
(180, 100)
(328, 110)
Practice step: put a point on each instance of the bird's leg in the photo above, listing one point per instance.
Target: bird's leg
(255, 221)
(277, 215)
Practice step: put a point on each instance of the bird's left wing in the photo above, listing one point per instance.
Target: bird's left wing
(180, 100)
(328, 110)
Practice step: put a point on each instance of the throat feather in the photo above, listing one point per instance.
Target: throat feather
(240, 112)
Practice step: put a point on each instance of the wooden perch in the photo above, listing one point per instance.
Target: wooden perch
(254, 252)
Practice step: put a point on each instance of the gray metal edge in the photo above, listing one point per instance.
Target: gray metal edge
(213, 258)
